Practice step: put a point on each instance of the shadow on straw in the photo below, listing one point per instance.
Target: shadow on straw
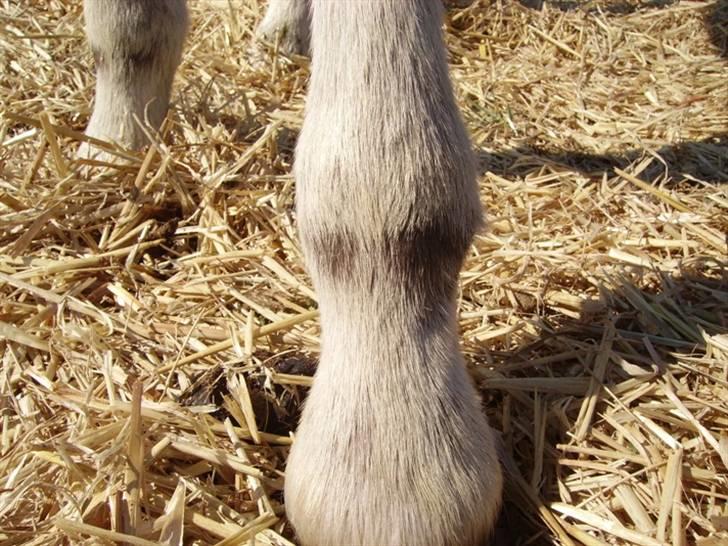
(717, 23)
(692, 161)
(537, 394)
(716, 19)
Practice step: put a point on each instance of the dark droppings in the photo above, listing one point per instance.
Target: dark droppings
(276, 408)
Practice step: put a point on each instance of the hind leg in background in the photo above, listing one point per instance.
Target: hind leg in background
(290, 20)
(137, 46)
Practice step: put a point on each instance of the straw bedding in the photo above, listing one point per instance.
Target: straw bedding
(158, 330)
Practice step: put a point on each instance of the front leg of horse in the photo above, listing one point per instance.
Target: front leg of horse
(393, 448)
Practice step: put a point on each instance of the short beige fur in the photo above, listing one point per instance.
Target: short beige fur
(387, 207)
(137, 47)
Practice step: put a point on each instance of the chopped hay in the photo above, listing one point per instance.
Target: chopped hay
(158, 330)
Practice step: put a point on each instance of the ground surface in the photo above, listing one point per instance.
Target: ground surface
(158, 330)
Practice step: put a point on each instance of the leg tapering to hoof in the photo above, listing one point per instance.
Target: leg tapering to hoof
(393, 447)
(137, 46)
